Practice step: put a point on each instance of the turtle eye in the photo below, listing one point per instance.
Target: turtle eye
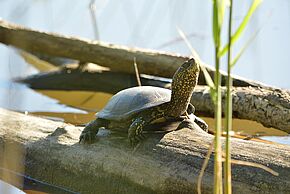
(186, 65)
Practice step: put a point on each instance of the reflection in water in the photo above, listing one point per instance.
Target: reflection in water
(247, 127)
(12, 156)
(7, 188)
(19, 97)
(85, 100)
(28, 184)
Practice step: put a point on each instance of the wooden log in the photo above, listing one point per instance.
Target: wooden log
(163, 163)
(117, 58)
(266, 106)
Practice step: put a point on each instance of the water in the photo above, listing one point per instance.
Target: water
(19, 97)
(6, 188)
(28, 184)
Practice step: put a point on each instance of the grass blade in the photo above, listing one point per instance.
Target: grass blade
(137, 73)
(241, 28)
(218, 16)
(215, 23)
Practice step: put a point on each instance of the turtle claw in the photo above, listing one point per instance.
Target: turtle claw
(142, 136)
(88, 134)
(201, 123)
(134, 140)
(139, 137)
(87, 137)
(187, 123)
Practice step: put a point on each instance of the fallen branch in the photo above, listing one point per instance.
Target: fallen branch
(117, 58)
(162, 164)
(268, 107)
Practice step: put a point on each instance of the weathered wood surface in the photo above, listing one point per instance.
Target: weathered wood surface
(117, 58)
(266, 106)
(168, 164)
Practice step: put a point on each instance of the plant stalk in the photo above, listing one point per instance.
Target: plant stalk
(218, 115)
(227, 168)
(218, 185)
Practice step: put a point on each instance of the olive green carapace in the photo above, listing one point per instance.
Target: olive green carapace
(134, 108)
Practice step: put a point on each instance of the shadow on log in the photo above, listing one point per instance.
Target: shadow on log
(168, 163)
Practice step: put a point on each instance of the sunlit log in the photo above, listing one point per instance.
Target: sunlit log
(168, 163)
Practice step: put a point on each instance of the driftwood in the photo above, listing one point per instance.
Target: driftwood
(168, 163)
(117, 58)
(268, 107)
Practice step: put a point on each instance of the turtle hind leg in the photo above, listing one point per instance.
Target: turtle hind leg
(89, 133)
(186, 123)
(190, 109)
(201, 123)
(189, 123)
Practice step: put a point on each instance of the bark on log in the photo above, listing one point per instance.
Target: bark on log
(270, 108)
(117, 58)
(167, 163)
(266, 106)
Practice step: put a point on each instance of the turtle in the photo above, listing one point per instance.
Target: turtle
(134, 108)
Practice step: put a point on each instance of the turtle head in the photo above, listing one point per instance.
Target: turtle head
(188, 71)
(183, 83)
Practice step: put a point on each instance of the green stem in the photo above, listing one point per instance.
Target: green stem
(227, 172)
(218, 115)
(218, 8)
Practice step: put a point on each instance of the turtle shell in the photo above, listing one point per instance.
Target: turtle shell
(126, 103)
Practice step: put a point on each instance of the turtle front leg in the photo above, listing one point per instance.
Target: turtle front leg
(88, 134)
(135, 132)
